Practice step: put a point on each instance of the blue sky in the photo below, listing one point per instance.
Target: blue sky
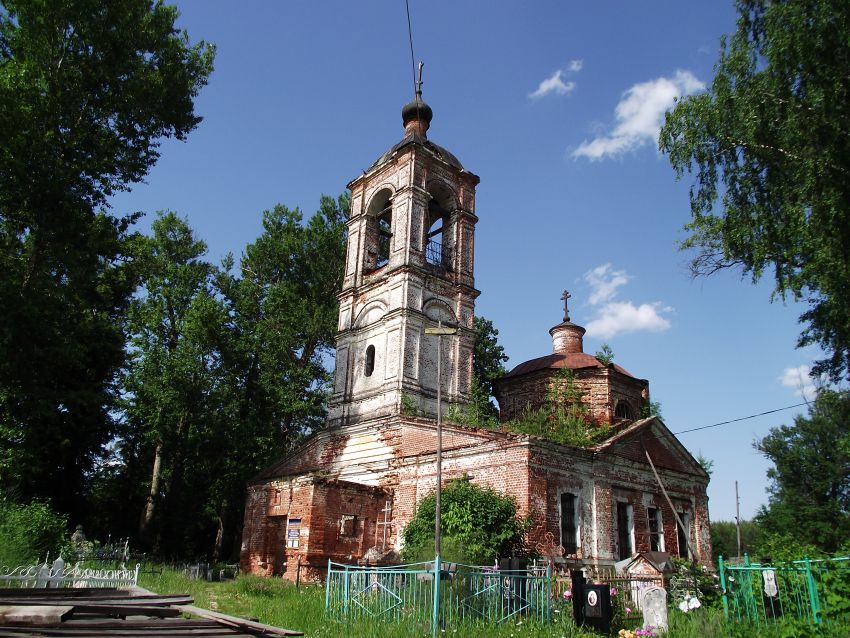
(556, 106)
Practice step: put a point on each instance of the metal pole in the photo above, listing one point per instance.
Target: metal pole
(439, 441)
(738, 518)
(439, 332)
(438, 513)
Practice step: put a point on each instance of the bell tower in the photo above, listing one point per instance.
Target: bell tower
(409, 265)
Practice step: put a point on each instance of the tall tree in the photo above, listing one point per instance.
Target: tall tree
(810, 492)
(171, 358)
(487, 365)
(87, 90)
(770, 147)
(283, 314)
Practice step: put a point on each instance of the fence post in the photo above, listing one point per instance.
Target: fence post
(328, 585)
(814, 600)
(549, 576)
(435, 618)
(721, 565)
(345, 592)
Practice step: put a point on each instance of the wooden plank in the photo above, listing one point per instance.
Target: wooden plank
(62, 592)
(240, 623)
(81, 600)
(33, 614)
(126, 610)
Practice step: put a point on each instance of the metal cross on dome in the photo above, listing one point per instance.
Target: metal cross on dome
(566, 296)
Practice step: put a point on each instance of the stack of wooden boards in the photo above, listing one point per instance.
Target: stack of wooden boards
(117, 612)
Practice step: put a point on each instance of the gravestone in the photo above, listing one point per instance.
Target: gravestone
(654, 605)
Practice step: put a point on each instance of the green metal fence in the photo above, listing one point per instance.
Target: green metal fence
(436, 595)
(816, 590)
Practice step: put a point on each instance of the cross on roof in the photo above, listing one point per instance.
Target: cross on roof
(566, 296)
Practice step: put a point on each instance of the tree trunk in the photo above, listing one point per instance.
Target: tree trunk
(219, 533)
(149, 510)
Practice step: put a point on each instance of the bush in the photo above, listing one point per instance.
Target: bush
(29, 532)
(479, 525)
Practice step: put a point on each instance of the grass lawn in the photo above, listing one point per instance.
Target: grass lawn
(277, 602)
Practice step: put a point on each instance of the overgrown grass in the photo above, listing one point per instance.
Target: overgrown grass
(277, 602)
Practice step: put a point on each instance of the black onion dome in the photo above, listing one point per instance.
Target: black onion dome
(416, 110)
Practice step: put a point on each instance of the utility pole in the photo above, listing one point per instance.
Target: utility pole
(738, 518)
(438, 332)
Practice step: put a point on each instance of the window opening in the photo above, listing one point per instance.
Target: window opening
(569, 528)
(384, 236)
(682, 534)
(293, 533)
(370, 361)
(656, 529)
(624, 411)
(624, 530)
(347, 523)
(436, 252)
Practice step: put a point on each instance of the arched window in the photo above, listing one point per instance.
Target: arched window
(624, 411)
(385, 226)
(378, 231)
(370, 361)
(437, 252)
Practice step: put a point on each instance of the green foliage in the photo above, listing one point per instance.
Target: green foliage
(564, 417)
(810, 482)
(479, 525)
(279, 603)
(705, 463)
(487, 359)
(692, 579)
(605, 355)
(768, 144)
(724, 538)
(87, 91)
(409, 406)
(29, 532)
(226, 373)
(650, 408)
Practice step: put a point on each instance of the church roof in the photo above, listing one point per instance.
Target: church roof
(415, 138)
(571, 360)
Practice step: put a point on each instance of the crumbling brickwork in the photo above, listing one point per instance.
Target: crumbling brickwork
(348, 492)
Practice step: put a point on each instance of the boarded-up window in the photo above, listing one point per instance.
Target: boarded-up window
(569, 527)
(624, 531)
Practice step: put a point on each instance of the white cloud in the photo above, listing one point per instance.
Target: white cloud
(614, 317)
(604, 282)
(624, 316)
(639, 115)
(800, 380)
(553, 84)
(575, 65)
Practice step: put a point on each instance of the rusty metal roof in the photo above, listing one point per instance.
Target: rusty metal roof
(571, 360)
(414, 138)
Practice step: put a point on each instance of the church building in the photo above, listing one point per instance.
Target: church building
(348, 491)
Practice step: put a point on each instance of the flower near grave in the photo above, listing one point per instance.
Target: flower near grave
(689, 603)
(628, 610)
(568, 595)
(613, 591)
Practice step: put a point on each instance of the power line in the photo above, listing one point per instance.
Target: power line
(743, 418)
(410, 37)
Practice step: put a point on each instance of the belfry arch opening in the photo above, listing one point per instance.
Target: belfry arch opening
(437, 238)
(379, 230)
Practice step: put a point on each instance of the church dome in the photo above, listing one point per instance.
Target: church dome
(417, 110)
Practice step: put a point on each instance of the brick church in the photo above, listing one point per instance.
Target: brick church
(348, 491)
